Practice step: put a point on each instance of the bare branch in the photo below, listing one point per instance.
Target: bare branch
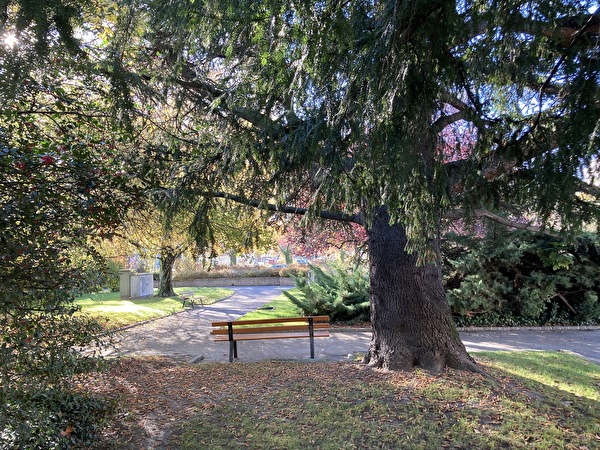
(484, 213)
(449, 119)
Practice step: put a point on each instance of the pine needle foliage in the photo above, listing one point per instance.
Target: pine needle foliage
(519, 278)
(359, 103)
(338, 291)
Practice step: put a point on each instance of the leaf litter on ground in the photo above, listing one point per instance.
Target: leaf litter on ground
(163, 404)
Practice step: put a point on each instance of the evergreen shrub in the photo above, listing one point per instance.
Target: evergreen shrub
(336, 290)
(506, 279)
(518, 278)
(57, 197)
(51, 418)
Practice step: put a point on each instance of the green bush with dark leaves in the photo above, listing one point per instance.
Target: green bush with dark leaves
(339, 291)
(506, 279)
(57, 194)
(51, 418)
(518, 278)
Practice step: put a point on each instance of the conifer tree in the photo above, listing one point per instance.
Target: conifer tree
(394, 115)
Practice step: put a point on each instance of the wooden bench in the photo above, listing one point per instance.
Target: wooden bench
(192, 299)
(287, 328)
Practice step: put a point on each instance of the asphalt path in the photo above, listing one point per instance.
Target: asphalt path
(582, 342)
(185, 336)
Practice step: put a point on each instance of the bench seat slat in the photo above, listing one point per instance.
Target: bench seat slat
(254, 337)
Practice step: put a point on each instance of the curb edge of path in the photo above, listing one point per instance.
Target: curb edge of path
(481, 329)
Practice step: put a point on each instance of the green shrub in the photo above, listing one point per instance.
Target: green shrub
(40, 351)
(110, 280)
(98, 275)
(50, 418)
(337, 291)
(518, 278)
(61, 189)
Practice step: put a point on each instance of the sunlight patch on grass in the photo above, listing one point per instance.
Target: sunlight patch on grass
(343, 406)
(122, 308)
(276, 309)
(113, 312)
(558, 370)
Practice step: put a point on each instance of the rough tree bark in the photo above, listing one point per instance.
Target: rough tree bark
(410, 316)
(165, 287)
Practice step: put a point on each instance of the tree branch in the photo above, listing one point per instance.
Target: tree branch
(484, 213)
(589, 189)
(448, 119)
(209, 93)
(329, 215)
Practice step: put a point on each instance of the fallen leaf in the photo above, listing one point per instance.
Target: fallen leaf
(68, 431)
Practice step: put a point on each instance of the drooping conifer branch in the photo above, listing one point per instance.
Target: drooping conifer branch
(457, 214)
(285, 209)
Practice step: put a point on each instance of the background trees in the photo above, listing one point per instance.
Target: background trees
(237, 229)
(322, 238)
(169, 223)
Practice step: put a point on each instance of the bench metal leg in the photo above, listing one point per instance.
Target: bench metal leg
(197, 301)
(232, 350)
(311, 333)
(232, 342)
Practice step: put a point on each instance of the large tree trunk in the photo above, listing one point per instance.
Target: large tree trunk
(411, 320)
(165, 287)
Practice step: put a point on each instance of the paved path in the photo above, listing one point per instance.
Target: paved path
(585, 343)
(185, 336)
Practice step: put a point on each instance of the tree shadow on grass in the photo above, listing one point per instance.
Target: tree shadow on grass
(274, 404)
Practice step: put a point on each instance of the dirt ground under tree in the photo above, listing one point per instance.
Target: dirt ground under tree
(160, 403)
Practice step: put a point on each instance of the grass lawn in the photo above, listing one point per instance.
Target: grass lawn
(342, 407)
(110, 309)
(275, 309)
(538, 400)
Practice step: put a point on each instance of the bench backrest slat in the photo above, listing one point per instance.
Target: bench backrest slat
(267, 329)
(239, 323)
